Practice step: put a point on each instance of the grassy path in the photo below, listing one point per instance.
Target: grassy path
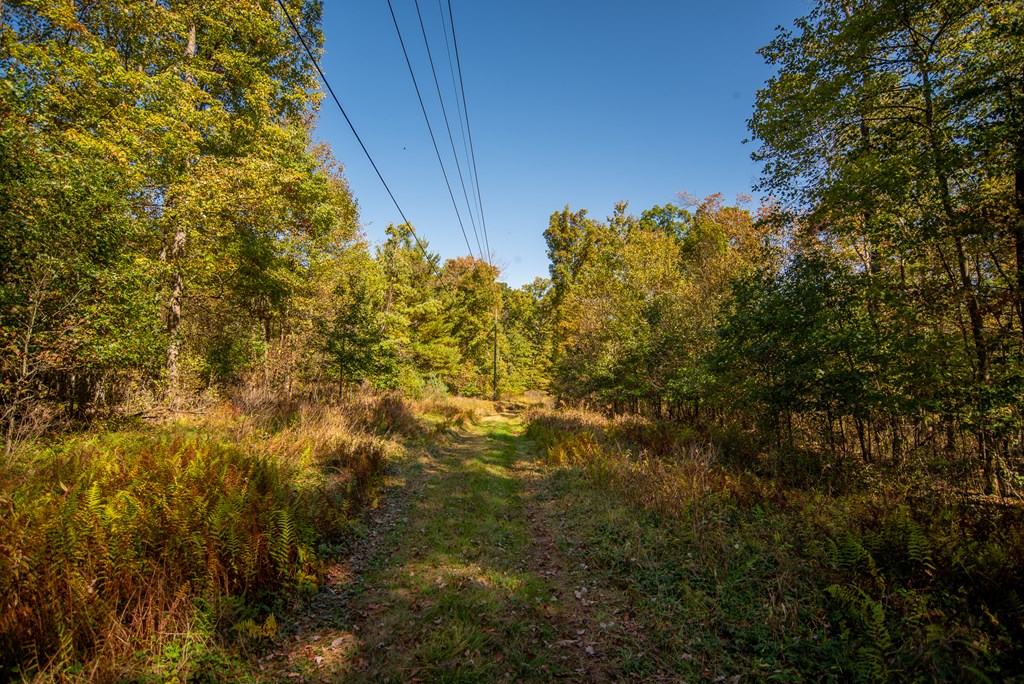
(464, 594)
(462, 581)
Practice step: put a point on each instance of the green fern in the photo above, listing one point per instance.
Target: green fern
(850, 555)
(284, 541)
(864, 619)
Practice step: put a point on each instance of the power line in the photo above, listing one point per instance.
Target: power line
(327, 83)
(465, 108)
(451, 140)
(455, 89)
(429, 127)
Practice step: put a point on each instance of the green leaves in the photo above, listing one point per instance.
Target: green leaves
(636, 300)
(162, 201)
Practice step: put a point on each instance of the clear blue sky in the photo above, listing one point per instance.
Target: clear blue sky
(579, 102)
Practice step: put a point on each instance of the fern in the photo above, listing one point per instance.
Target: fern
(112, 541)
(865, 620)
(256, 631)
(850, 555)
(919, 546)
(94, 500)
(285, 539)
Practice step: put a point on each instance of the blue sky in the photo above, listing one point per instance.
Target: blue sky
(571, 102)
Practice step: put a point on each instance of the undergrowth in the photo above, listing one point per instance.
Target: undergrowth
(138, 554)
(767, 577)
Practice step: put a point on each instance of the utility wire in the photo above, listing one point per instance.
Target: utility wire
(451, 140)
(327, 83)
(462, 86)
(455, 89)
(429, 128)
(316, 65)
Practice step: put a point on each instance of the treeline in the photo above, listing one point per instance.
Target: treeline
(169, 227)
(873, 310)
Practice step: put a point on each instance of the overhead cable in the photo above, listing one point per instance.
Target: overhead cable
(455, 90)
(472, 152)
(430, 129)
(451, 140)
(327, 83)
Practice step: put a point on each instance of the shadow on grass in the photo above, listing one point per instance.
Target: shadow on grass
(457, 599)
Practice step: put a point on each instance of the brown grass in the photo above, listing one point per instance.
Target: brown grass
(455, 411)
(135, 551)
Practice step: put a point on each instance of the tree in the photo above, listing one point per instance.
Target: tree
(472, 298)
(419, 322)
(891, 131)
(355, 339)
(162, 203)
(639, 319)
(524, 352)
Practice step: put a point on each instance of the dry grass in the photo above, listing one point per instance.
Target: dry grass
(454, 412)
(134, 552)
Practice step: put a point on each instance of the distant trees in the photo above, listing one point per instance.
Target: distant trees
(637, 298)
(525, 337)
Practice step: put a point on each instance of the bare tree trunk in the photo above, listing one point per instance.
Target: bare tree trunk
(174, 308)
(897, 440)
(25, 369)
(865, 444)
(176, 257)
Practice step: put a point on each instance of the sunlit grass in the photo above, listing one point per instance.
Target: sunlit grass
(139, 551)
(457, 601)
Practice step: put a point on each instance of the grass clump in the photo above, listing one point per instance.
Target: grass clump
(447, 413)
(737, 573)
(131, 554)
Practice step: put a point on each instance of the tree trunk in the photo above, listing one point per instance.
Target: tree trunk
(897, 441)
(176, 256)
(988, 479)
(1018, 233)
(865, 444)
(174, 308)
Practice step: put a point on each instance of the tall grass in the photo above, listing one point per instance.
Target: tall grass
(903, 583)
(454, 412)
(156, 540)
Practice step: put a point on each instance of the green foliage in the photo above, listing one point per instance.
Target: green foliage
(355, 340)
(635, 300)
(873, 310)
(863, 619)
(891, 136)
(472, 300)
(524, 343)
(753, 574)
(162, 204)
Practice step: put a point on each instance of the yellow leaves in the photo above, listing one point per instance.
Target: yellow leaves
(249, 627)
